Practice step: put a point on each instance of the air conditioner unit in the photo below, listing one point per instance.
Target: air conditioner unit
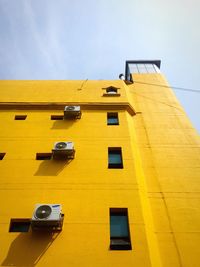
(72, 112)
(47, 212)
(47, 217)
(64, 150)
(72, 108)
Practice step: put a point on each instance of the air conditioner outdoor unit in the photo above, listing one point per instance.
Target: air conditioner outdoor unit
(47, 217)
(63, 150)
(72, 112)
(47, 212)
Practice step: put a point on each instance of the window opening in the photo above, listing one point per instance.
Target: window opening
(43, 156)
(19, 225)
(144, 68)
(57, 117)
(2, 155)
(119, 229)
(20, 117)
(111, 90)
(112, 118)
(115, 158)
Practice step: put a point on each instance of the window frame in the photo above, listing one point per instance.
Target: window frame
(112, 115)
(111, 91)
(15, 223)
(115, 151)
(120, 242)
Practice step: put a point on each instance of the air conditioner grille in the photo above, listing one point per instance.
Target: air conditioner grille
(43, 212)
(71, 108)
(61, 145)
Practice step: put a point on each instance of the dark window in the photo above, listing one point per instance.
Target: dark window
(2, 155)
(119, 229)
(115, 158)
(112, 118)
(20, 117)
(19, 225)
(57, 117)
(43, 156)
(111, 90)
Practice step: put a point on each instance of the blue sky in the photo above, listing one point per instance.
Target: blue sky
(62, 39)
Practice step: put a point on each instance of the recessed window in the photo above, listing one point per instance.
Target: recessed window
(20, 117)
(57, 117)
(43, 156)
(115, 158)
(119, 229)
(112, 118)
(2, 155)
(111, 91)
(19, 225)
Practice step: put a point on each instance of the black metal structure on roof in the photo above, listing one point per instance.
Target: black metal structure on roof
(128, 76)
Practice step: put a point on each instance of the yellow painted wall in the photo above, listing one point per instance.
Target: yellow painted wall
(170, 154)
(158, 184)
(85, 187)
(59, 91)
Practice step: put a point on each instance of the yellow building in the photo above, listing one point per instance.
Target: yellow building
(123, 166)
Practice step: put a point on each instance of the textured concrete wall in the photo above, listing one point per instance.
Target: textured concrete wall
(85, 186)
(159, 183)
(170, 153)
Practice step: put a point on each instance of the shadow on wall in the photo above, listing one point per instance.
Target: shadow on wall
(51, 167)
(28, 249)
(63, 124)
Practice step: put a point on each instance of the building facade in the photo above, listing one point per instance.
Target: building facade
(129, 192)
